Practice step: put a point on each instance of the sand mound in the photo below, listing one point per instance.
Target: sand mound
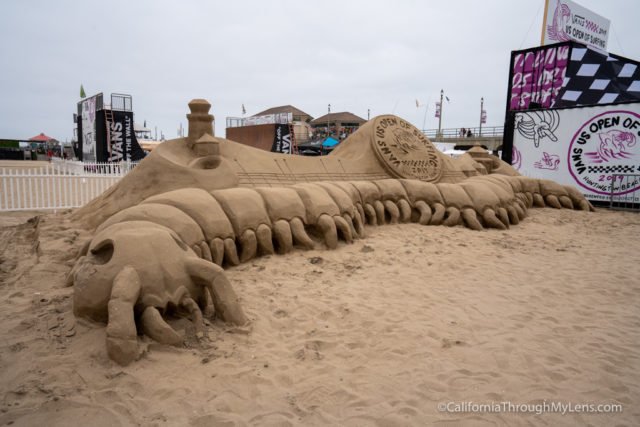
(374, 333)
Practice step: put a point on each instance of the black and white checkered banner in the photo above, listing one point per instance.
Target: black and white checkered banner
(612, 169)
(595, 78)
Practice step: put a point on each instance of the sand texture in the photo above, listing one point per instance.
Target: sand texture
(375, 333)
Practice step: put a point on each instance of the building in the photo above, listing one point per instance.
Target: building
(42, 138)
(296, 114)
(340, 125)
(277, 129)
(282, 129)
(299, 121)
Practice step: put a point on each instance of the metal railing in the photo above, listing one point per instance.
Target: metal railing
(487, 132)
(121, 102)
(630, 200)
(267, 119)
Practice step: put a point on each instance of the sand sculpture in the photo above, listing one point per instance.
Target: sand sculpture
(200, 203)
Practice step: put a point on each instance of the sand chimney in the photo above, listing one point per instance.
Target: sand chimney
(200, 121)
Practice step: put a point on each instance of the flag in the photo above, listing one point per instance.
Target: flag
(594, 77)
(483, 116)
(437, 109)
(82, 94)
(417, 104)
(243, 110)
(447, 98)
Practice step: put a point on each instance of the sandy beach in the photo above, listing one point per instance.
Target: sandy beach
(379, 332)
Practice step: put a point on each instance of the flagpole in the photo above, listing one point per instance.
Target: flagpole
(440, 116)
(481, 108)
(544, 21)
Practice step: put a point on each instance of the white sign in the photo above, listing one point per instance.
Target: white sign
(88, 118)
(583, 147)
(267, 119)
(566, 20)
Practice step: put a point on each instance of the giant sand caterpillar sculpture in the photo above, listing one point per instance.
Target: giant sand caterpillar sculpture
(199, 203)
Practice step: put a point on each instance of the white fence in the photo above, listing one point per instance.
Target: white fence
(59, 185)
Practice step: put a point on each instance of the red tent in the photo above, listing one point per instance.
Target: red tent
(41, 138)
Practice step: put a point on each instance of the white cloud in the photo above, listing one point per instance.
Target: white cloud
(356, 55)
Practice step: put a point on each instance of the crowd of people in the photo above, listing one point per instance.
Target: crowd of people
(340, 133)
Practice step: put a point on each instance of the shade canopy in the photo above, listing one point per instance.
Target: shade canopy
(41, 138)
(330, 142)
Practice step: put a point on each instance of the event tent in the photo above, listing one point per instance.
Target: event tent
(318, 147)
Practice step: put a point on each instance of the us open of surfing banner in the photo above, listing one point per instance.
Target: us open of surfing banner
(584, 147)
(566, 20)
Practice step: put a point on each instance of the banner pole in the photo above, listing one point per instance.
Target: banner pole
(544, 22)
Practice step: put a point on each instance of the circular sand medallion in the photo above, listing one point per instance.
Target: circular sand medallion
(404, 150)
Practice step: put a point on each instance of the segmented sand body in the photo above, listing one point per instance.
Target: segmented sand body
(233, 225)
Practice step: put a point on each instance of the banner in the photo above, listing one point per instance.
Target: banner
(123, 144)
(282, 140)
(582, 147)
(598, 78)
(87, 128)
(268, 119)
(570, 74)
(565, 20)
(438, 107)
(537, 76)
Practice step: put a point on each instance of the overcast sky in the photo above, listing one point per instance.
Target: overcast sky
(354, 55)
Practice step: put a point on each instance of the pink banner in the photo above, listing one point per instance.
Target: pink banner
(538, 76)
